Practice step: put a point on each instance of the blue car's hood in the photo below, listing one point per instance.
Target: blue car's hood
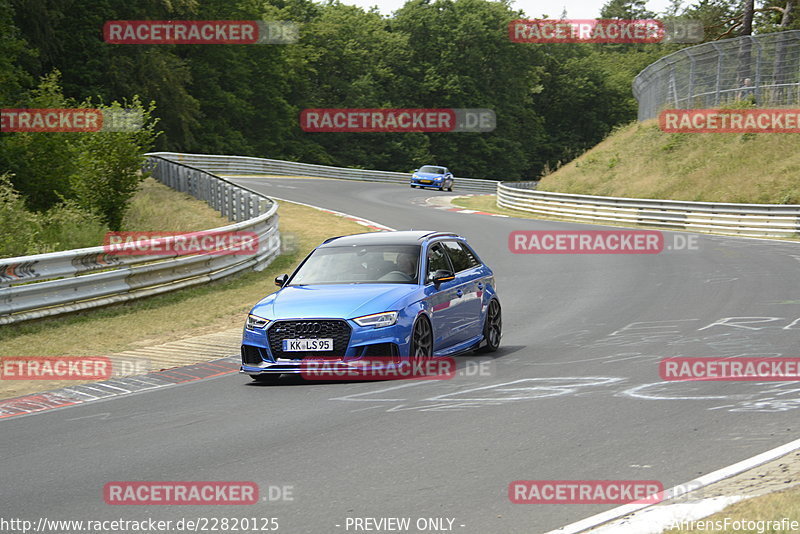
(344, 301)
(429, 175)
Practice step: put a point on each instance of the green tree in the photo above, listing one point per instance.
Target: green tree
(719, 17)
(41, 162)
(461, 57)
(67, 35)
(626, 9)
(13, 78)
(108, 166)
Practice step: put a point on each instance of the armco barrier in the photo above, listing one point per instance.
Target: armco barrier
(247, 165)
(60, 282)
(713, 217)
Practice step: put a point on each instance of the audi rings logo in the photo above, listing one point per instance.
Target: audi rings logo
(307, 328)
(297, 328)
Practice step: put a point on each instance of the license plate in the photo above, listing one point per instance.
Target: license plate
(306, 345)
(426, 181)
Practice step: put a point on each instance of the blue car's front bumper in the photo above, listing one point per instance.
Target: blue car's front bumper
(364, 342)
(427, 181)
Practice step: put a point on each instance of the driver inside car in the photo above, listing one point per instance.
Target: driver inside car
(407, 264)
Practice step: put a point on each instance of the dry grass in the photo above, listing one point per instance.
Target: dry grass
(639, 160)
(157, 208)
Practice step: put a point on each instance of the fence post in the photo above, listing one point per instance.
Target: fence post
(720, 55)
(757, 81)
(690, 90)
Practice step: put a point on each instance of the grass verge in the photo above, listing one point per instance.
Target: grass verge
(641, 161)
(157, 208)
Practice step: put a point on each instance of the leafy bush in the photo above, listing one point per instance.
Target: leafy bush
(108, 164)
(20, 229)
(66, 178)
(64, 226)
(68, 226)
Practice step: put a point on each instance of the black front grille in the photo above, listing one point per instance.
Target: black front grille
(335, 329)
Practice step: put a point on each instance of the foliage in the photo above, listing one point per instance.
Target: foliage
(107, 166)
(552, 101)
(64, 226)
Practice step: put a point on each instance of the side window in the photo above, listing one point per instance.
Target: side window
(471, 257)
(460, 255)
(437, 259)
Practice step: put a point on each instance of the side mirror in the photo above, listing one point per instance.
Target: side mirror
(281, 280)
(442, 275)
(415, 170)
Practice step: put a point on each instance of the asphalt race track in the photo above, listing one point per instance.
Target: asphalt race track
(573, 394)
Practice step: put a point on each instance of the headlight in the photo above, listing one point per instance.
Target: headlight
(377, 320)
(254, 322)
(415, 177)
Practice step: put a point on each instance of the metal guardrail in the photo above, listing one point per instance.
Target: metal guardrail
(712, 217)
(248, 165)
(60, 282)
(764, 68)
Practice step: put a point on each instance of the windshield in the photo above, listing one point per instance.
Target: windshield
(389, 264)
(432, 170)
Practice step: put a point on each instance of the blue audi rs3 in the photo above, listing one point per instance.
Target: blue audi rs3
(432, 176)
(410, 294)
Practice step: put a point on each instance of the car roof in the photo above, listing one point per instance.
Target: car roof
(406, 237)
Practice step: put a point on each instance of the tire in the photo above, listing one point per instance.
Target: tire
(421, 340)
(267, 380)
(492, 328)
(413, 186)
(441, 188)
(450, 188)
